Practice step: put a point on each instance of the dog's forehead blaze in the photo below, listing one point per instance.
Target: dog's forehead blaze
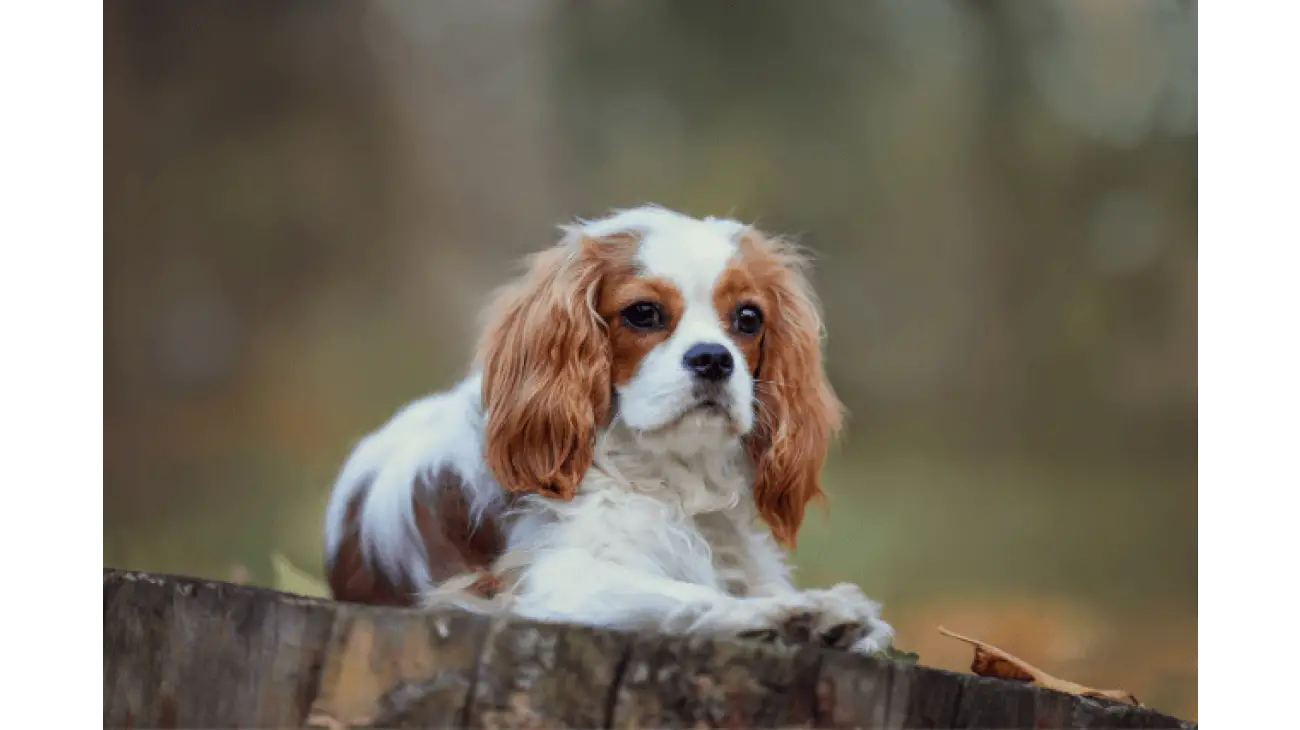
(691, 257)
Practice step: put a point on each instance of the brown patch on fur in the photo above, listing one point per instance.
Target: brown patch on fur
(351, 579)
(450, 543)
(546, 357)
(798, 413)
(486, 585)
(458, 543)
(629, 347)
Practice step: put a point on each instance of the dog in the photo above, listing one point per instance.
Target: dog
(636, 442)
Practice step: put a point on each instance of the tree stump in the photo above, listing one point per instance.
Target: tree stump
(187, 653)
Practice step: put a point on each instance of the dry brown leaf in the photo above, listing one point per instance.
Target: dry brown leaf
(991, 661)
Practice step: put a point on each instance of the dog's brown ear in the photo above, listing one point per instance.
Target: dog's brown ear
(546, 372)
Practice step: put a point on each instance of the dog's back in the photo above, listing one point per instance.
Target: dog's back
(415, 505)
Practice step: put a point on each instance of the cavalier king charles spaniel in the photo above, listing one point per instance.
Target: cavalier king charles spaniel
(645, 422)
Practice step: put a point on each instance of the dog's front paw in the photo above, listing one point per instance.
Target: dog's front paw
(840, 617)
(864, 631)
(844, 618)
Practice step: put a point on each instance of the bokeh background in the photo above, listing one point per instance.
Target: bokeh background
(306, 203)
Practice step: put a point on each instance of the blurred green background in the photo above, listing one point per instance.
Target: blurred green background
(306, 203)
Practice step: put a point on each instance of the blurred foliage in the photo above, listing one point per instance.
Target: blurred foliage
(292, 579)
(898, 655)
(307, 203)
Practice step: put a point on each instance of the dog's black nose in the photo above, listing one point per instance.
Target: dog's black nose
(709, 361)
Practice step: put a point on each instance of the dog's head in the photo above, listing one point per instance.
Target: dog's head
(695, 334)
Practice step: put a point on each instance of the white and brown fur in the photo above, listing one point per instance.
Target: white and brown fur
(593, 476)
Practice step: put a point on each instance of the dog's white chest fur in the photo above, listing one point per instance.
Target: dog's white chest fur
(682, 518)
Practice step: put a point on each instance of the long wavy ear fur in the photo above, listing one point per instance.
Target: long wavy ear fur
(546, 372)
(799, 413)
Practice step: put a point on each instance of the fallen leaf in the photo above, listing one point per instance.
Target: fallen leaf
(991, 661)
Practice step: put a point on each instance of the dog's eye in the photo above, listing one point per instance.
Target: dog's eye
(748, 319)
(644, 316)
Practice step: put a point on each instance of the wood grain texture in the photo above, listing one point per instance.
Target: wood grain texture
(187, 653)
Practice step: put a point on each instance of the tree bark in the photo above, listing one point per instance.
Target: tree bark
(188, 653)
